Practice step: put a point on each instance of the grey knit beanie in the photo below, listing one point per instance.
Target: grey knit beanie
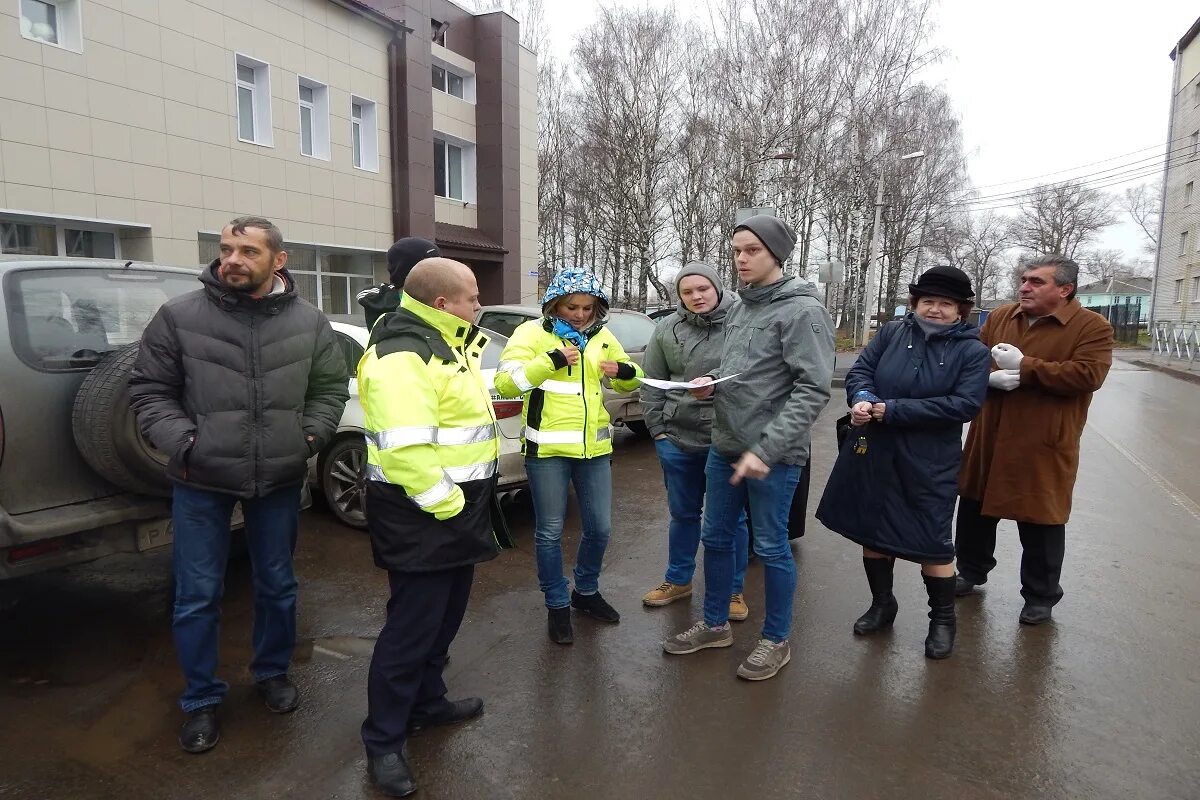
(704, 270)
(772, 232)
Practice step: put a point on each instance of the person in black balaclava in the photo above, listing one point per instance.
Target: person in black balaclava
(401, 258)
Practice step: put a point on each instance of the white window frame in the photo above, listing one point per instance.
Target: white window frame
(448, 69)
(1187, 192)
(1196, 289)
(318, 115)
(68, 24)
(61, 226)
(468, 150)
(367, 131)
(1183, 243)
(1179, 290)
(260, 99)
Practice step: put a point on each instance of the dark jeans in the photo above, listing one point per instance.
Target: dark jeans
(683, 473)
(770, 500)
(423, 616)
(201, 524)
(1042, 550)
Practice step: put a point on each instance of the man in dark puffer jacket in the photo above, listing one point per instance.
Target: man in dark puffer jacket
(239, 383)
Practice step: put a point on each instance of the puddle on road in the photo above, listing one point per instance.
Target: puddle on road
(336, 648)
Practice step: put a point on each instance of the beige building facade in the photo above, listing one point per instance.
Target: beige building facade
(1177, 264)
(136, 129)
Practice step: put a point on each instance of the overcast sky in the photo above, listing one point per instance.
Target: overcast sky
(1041, 85)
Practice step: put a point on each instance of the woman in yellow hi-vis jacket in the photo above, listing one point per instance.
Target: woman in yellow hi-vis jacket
(557, 363)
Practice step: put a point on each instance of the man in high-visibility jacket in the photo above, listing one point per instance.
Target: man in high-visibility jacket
(431, 468)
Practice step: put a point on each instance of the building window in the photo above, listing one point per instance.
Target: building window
(364, 134)
(53, 22)
(42, 239)
(1195, 143)
(1196, 93)
(1183, 239)
(447, 170)
(1179, 290)
(437, 31)
(27, 240)
(1187, 192)
(314, 118)
(449, 82)
(1196, 289)
(89, 244)
(253, 100)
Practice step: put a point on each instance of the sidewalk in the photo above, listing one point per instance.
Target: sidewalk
(1175, 367)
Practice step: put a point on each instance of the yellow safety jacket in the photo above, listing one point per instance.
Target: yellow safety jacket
(432, 441)
(563, 413)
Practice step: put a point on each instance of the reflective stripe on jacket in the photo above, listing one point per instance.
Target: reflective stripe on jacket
(563, 413)
(432, 441)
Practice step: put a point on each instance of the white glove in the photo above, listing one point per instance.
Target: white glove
(1007, 356)
(1005, 379)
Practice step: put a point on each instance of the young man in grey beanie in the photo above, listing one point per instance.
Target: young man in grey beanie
(779, 345)
(687, 344)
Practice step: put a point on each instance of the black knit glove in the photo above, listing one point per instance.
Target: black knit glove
(626, 371)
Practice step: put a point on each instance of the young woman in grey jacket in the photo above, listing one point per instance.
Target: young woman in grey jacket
(685, 345)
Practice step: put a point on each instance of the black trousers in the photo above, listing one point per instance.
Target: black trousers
(423, 616)
(1042, 551)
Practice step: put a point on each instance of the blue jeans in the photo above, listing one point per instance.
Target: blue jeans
(201, 522)
(548, 482)
(683, 472)
(770, 502)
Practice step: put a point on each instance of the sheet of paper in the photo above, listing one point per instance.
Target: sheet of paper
(682, 384)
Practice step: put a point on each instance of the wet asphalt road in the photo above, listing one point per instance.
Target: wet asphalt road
(1103, 703)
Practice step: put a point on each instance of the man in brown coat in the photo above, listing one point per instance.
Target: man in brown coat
(1022, 451)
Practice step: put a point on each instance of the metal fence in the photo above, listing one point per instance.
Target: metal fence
(1126, 319)
(1176, 341)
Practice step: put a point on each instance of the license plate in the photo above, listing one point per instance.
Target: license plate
(161, 532)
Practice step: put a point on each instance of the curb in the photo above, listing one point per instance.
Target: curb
(1183, 375)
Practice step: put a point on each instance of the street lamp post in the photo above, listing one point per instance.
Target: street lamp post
(869, 300)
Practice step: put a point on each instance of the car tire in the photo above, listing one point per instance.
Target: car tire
(343, 483)
(638, 426)
(106, 432)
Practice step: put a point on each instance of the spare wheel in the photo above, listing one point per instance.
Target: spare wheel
(106, 432)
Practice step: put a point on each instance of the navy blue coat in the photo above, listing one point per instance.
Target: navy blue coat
(895, 482)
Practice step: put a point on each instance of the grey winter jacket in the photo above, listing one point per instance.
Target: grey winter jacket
(779, 342)
(684, 346)
(229, 387)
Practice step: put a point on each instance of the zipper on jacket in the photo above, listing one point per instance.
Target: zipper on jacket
(255, 411)
(583, 397)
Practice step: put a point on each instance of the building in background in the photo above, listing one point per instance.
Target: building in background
(138, 129)
(1118, 292)
(1176, 274)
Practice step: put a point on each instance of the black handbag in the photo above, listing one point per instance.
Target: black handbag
(842, 427)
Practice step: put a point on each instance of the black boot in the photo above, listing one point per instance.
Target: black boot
(940, 642)
(882, 612)
(202, 730)
(559, 624)
(391, 775)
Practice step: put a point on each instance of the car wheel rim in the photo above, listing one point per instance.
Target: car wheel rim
(347, 481)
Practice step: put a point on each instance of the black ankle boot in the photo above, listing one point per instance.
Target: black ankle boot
(559, 625)
(940, 642)
(882, 612)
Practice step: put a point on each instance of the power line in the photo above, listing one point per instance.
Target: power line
(1157, 161)
(1167, 144)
